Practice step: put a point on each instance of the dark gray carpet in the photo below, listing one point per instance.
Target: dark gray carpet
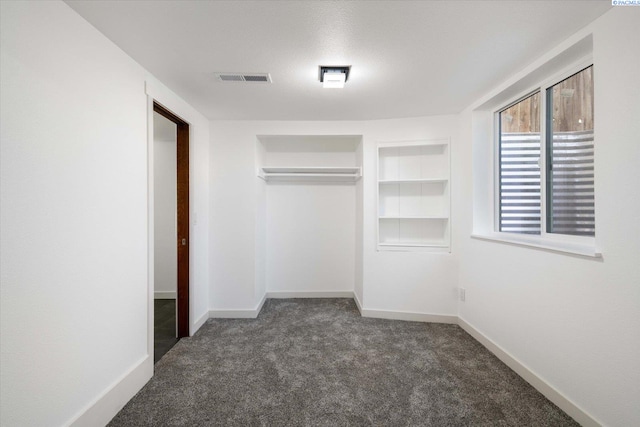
(316, 362)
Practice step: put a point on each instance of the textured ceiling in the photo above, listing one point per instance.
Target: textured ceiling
(408, 59)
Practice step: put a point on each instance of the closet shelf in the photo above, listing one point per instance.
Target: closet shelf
(439, 217)
(310, 174)
(409, 181)
(415, 245)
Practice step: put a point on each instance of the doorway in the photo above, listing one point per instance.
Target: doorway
(171, 229)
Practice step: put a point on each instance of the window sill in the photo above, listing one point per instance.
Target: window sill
(584, 250)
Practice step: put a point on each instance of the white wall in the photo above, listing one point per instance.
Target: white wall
(416, 282)
(74, 219)
(359, 229)
(310, 237)
(260, 248)
(164, 203)
(573, 321)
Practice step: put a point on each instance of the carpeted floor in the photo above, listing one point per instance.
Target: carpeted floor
(316, 362)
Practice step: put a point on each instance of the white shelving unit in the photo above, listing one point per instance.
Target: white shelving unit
(414, 195)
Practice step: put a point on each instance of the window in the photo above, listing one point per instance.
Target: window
(546, 157)
(569, 165)
(519, 170)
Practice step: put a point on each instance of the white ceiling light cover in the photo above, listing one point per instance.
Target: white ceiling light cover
(334, 76)
(334, 80)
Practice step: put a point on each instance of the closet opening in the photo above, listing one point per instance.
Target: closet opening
(171, 229)
(310, 214)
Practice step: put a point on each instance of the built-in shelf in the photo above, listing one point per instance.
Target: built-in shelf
(310, 174)
(413, 195)
(414, 245)
(409, 181)
(413, 217)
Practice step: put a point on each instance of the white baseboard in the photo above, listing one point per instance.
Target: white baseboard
(164, 295)
(260, 304)
(198, 323)
(310, 294)
(358, 303)
(573, 410)
(251, 313)
(409, 316)
(102, 409)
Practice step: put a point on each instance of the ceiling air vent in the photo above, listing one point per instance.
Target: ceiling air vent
(244, 77)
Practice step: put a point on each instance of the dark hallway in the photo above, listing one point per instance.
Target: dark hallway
(164, 331)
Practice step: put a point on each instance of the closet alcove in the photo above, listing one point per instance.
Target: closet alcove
(309, 218)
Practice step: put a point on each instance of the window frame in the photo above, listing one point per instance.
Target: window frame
(582, 245)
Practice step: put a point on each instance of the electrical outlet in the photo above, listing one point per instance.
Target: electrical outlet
(463, 294)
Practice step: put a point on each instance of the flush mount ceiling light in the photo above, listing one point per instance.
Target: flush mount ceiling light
(334, 76)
